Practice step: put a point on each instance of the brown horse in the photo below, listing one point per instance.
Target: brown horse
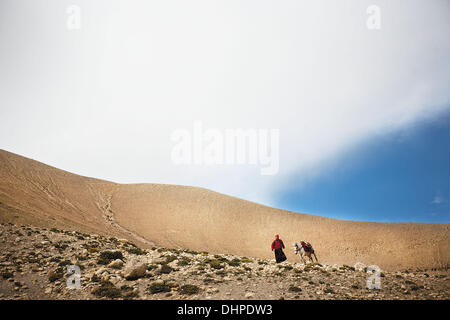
(308, 252)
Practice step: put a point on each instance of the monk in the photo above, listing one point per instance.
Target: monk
(278, 246)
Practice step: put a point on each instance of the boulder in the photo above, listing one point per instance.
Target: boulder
(134, 273)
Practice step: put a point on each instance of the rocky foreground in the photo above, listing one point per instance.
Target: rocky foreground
(34, 263)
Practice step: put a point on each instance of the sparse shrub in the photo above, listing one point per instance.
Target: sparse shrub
(107, 256)
(158, 287)
(108, 290)
(61, 246)
(346, 267)
(130, 295)
(95, 278)
(189, 289)
(170, 258)
(295, 289)
(151, 267)
(92, 250)
(114, 240)
(246, 260)
(208, 280)
(234, 263)
(7, 275)
(214, 263)
(81, 258)
(64, 263)
(55, 275)
(221, 259)
(184, 261)
(165, 269)
(192, 252)
(128, 292)
(79, 265)
(135, 250)
(325, 272)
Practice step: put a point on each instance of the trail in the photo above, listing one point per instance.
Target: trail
(105, 206)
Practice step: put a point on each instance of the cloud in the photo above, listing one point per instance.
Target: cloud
(104, 100)
(438, 200)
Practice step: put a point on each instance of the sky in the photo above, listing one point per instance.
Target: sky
(98, 88)
(399, 177)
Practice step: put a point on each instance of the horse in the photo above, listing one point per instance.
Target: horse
(299, 248)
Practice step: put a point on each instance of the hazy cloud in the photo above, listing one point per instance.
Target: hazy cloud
(104, 99)
(438, 199)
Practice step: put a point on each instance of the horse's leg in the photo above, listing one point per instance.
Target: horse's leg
(315, 257)
(308, 255)
(301, 256)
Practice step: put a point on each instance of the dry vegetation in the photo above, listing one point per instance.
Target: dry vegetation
(33, 264)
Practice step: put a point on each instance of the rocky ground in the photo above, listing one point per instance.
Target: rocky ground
(34, 263)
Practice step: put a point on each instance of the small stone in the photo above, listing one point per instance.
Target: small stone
(159, 282)
(116, 264)
(100, 271)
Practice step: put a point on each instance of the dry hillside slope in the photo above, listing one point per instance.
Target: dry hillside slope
(199, 219)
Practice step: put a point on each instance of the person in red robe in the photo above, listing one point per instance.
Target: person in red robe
(278, 246)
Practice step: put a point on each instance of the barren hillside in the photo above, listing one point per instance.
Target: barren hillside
(199, 219)
(34, 264)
